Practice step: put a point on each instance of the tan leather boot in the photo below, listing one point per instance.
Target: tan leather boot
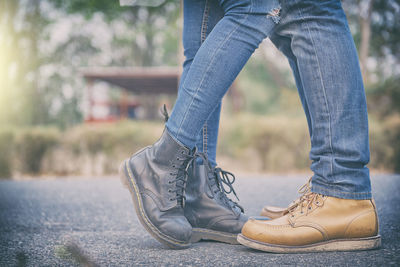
(316, 223)
(273, 212)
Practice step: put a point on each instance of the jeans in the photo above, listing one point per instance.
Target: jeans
(243, 25)
(315, 37)
(200, 17)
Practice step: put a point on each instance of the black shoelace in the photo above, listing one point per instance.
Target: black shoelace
(220, 177)
(219, 180)
(182, 167)
(223, 178)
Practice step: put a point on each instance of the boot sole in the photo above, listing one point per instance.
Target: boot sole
(352, 244)
(207, 234)
(129, 181)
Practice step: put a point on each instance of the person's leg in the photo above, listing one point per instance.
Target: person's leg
(337, 212)
(200, 17)
(284, 44)
(212, 215)
(325, 63)
(217, 63)
(156, 175)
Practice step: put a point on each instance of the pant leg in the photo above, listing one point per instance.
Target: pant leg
(200, 17)
(218, 62)
(284, 45)
(325, 63)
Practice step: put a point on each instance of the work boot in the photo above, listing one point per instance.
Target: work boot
(273, 212)
(317, 223)
(156, 178)
(211, 213)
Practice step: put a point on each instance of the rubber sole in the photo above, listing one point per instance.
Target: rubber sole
(207, 234)
(331, 245)
(129, 181)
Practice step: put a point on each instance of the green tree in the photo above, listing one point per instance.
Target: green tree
(147, 22)
(376, 28)
(29, 95)
(21, 26)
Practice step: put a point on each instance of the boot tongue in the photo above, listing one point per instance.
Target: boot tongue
(180, 188)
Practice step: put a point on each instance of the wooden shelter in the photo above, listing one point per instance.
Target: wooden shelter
(144, 82)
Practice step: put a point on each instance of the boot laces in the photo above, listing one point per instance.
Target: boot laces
(181, 175)
(182, 169)
(221, 177)
(305, 203)
(225, 179)
(303, 190)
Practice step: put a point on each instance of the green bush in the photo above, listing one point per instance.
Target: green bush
(105, 138)
(112, 141)
(392, 126)
(32, 144)
(6, 153)
(278, 143)
(396, 156)
(258, 143)
(384, 98)
(282, 143)
(381, 152)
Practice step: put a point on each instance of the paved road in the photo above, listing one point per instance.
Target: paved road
(65, 221)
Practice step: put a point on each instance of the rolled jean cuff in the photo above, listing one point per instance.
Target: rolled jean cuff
(334, 192)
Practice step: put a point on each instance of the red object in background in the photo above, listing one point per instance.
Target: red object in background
(139, 81)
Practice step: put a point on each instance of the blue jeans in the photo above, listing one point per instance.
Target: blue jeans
(200, 17)
(315, 37)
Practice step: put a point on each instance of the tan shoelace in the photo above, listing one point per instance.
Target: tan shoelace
(306, 201)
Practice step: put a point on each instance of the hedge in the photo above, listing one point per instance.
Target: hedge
(258, 143)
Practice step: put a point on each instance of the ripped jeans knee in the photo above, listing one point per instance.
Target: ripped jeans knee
(274, 14)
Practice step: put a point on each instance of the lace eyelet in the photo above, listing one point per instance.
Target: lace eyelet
(292, 216)
(169, 191)
(317, 202)
(309, 208)
(182, 152)
(177, 158)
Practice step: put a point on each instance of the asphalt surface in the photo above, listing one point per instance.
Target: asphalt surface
(72, 222)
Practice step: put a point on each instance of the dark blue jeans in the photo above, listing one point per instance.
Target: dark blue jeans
(315, 37)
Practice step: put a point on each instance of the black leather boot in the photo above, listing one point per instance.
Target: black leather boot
(211, 213)
(156, 178)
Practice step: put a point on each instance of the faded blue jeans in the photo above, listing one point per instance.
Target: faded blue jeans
(200, 17)
(315, 37)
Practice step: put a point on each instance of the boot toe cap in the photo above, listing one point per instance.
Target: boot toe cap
(253, 229)
(177, 228)
(280, 233)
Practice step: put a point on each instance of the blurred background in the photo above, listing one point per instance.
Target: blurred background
(82, 82)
